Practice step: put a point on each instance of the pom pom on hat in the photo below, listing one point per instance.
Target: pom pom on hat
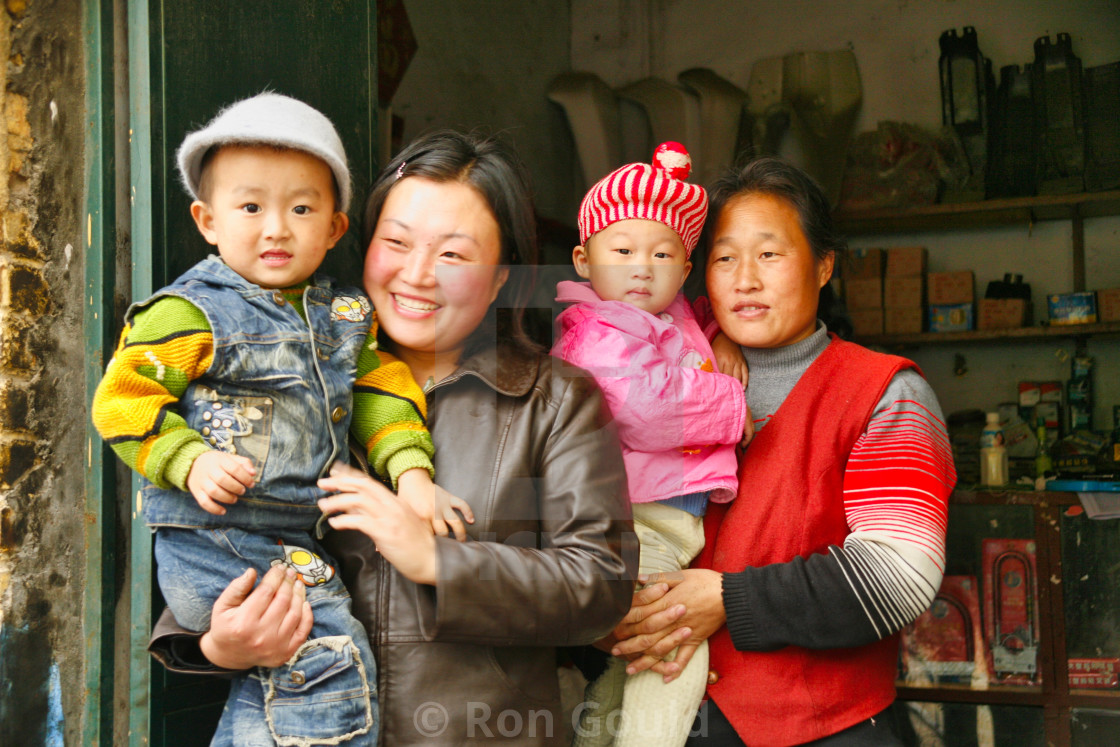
(267, 119)
(655, 192)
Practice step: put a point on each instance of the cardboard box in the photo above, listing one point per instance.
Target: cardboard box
(904, 320)
(864, 263)
(899, 292)
(952, 317)
(946, 642)
(864, 293)
(906, 260)
(1072, 308)
(1033, 392)
(1108, 305)
(1002, 313)
(1011, 608)
(950, 287)
(867, 322)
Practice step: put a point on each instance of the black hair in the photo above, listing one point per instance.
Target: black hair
(493, 170)
(780, 178)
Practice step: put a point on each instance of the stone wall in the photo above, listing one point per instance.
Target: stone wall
(42, 394)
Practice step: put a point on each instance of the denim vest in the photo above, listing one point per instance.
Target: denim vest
(279, 391)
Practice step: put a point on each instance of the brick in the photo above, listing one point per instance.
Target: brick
(16, 459)
(15, 346)
(27, 291)
(15, 406)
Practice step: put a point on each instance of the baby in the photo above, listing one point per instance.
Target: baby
(678, 419)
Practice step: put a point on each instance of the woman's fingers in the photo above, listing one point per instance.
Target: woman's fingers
(670, 670)
(647, 660)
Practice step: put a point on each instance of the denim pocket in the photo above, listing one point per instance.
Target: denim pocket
(321, 696)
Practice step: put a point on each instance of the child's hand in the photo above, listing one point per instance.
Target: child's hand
(729, 358)
(748, 429)
(217, 477)
(433, 504)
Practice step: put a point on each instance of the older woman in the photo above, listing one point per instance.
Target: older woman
(836, 539)
(464, 633)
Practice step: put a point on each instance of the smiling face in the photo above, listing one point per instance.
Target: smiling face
(763, 279)
(270, 212)
(432, 268)
(639, 262)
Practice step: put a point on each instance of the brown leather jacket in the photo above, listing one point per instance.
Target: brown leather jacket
(550, 560)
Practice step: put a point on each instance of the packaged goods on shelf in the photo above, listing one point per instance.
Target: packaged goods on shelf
(904, 261)
(946, 642)
(864, 263)
(1094, 665)
(1072, 308)
(905, 320)
(864, 293)
(866, 322)
(1011, 608)
(1108, 305)
(950, 287)
(1102, 137)
(903, 291)
(952, 317)
(1094, 681)
(1002, 313)
(1079, 393)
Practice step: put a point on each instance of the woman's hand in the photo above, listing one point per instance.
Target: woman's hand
(365, 505)
(655, 627)
(258, 627)
(729, 358)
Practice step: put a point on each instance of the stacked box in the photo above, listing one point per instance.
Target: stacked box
(1042, 399)
(1002, 313)
(1108, 305)
(950, 301)
(904, 290)
(863, 291)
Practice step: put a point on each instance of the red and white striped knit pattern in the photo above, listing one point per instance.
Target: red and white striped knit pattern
(896, 489)
(639, 190)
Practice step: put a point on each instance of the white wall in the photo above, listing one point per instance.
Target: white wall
(896, 45)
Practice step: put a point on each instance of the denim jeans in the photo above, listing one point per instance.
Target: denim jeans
(326, 694)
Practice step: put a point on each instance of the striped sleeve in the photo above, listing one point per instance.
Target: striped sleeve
(390, 414)
(896, 491)
(166, 346)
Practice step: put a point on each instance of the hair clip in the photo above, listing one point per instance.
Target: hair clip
(400, 169)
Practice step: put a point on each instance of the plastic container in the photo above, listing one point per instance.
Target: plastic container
(993, 453)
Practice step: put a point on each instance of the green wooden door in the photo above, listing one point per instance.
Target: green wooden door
(188, 58)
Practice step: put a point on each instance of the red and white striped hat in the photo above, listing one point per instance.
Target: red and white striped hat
(657, 192)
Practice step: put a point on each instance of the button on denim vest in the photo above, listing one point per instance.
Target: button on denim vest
(279, 392)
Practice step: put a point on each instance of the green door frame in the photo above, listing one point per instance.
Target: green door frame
(98, 330)
(150, 180)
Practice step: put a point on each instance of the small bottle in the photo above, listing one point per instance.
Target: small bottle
(1042, 462)
(993, 453)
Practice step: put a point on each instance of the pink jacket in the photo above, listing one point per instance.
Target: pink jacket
(678, 419)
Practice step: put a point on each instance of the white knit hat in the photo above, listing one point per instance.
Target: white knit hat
(267, 119)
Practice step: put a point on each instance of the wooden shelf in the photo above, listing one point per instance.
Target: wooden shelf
(1003, 212)
(1021, 334)
(951, 693)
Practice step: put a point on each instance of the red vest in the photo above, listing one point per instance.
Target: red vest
(791, 503)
